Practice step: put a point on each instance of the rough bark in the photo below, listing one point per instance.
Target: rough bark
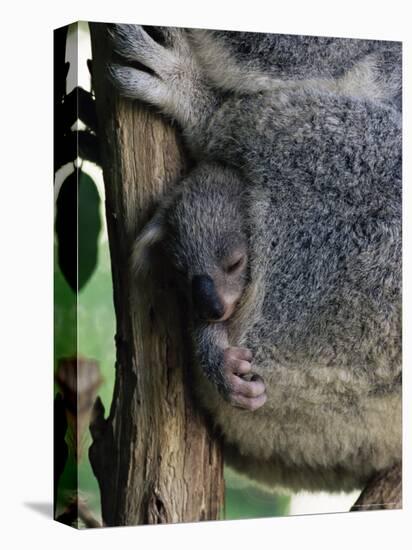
(154, 457)
(383, 492)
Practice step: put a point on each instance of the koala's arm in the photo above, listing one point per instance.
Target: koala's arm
(209, 342)
(169, 76)
(172, 77)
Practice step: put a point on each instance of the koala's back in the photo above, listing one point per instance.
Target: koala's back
(249, 62)
(325, 234)
(329, 231)
(298, 56)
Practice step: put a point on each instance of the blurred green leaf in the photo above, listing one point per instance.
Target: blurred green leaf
(78, 226)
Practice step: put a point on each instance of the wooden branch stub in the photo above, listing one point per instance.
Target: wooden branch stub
(383, 492)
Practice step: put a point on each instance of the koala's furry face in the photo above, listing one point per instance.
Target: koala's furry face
(199, 230)
(210, 270)
(205, 243)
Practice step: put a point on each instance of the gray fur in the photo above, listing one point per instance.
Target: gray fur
(307, 169)
(242, 61)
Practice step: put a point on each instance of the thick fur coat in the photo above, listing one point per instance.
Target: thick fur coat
(298, 142)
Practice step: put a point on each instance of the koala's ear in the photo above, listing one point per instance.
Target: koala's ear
(151, 235)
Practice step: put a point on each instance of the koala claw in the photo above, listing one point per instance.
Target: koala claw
(146, 81)
(165, 74)
(245, 394)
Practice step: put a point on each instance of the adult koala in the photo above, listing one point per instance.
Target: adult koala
(286, 239)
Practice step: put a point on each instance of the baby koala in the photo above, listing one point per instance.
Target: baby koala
(201, 233)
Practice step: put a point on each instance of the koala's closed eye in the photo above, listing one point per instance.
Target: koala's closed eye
(235, 264)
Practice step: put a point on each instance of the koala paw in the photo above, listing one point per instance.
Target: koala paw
(158, 71)
(249, 394)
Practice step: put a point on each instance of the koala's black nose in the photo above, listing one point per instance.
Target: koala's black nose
(206, 300)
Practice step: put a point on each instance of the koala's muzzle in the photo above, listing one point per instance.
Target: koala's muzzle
(206, 301)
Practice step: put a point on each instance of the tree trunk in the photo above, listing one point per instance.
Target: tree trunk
(154, 457)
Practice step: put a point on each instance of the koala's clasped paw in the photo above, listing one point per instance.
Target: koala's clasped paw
(246, 394)
(163, 74)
